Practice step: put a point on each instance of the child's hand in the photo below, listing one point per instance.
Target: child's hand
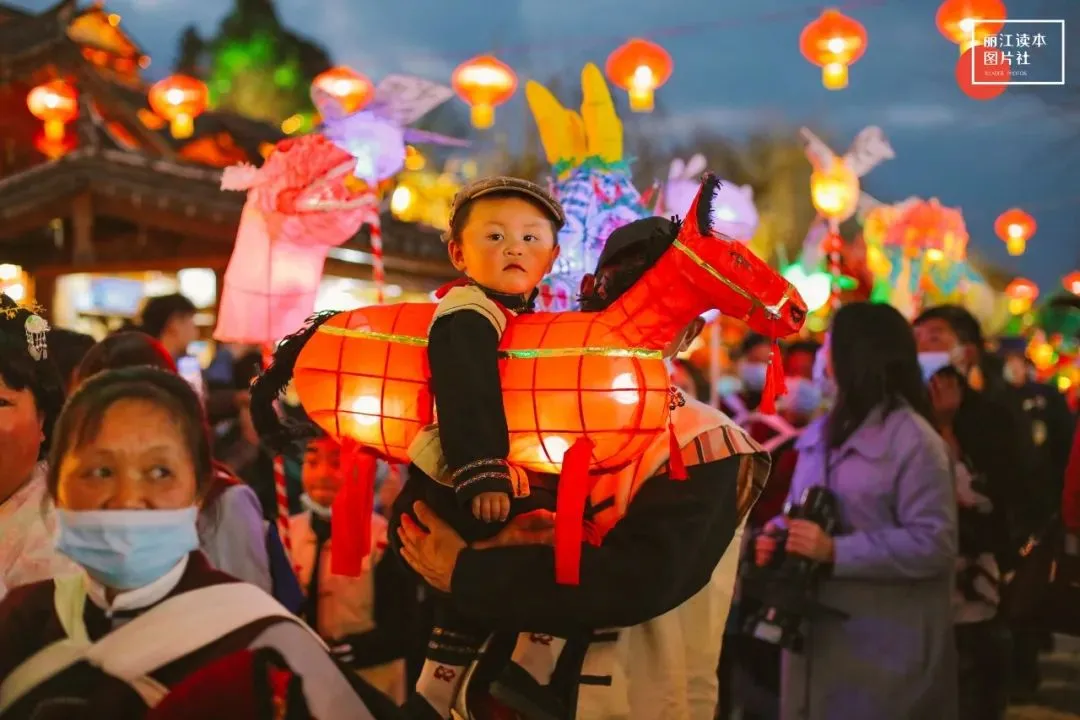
(491, 506)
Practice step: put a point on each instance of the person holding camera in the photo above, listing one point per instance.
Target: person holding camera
(890, 561)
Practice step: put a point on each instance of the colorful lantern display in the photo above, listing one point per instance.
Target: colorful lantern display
(179, 99)
(54, 103)
(964, 22)
(484, 83)
(834, 190)
(1071, 282)
(1022, 294)
(639, 67)
(363, 374)
(592, 181)
(833, 42)
(351, 89)
(1015, 227)
(298, 207)
(736, 215)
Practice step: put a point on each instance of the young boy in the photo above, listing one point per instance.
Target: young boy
(342, 609)
(502, 238)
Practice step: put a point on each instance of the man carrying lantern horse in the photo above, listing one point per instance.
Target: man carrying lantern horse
(663, 568)
(363, 375)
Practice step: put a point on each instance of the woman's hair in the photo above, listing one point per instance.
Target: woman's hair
(875, 364)
(67, 349)
(20, 371)
(81, 419)
(121, 350)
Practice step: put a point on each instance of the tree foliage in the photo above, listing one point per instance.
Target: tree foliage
(254, 65)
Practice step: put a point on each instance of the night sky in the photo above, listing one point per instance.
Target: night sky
(738, 69)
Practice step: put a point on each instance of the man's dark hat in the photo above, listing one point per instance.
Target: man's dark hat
(637, 236)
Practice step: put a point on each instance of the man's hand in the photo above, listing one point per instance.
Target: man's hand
(533, 528)
(433, 554)
(491, 507)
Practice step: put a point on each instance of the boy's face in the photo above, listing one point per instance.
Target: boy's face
(322, 474)
(507, 245)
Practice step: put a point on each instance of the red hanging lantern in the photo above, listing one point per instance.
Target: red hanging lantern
(179, 99)
(349, 87)
(484, 83)
(1022, 294)
(639, 67)
(833, 42)
(1071, 282)
(960, 20)
(54, 103)
(1015, 227)
(982, 65)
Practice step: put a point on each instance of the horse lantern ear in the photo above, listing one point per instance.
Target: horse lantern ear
(702, 209)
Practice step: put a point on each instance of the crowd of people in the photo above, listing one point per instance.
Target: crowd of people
(144, 573)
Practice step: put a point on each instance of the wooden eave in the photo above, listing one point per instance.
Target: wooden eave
(30, 42)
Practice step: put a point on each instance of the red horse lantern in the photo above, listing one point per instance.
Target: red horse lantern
(597, 377)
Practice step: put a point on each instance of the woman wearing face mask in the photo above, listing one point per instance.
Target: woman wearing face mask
(231, 531)
(31, 393)
(129, 465)
(753, 371)
(891, 561)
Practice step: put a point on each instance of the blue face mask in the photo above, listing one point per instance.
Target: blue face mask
(127, 549)
(728, 385)
(753, 376)
(933, 362)
(804, 396)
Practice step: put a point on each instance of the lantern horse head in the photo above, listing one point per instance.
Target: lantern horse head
(565, 376)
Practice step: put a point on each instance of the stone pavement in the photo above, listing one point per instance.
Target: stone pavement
(1059, 696)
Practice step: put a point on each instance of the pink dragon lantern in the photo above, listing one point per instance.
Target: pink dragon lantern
(299, 205)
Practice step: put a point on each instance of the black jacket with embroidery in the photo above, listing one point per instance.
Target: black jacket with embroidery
(463, 356)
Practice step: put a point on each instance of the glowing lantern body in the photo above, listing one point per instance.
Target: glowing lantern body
(55, 104)
(1072, 282)
(179, 99)
(484, 83)
(565, 376)
(298, 207)
(834, 190)
(956, 19)
(639, 67)
(1022, 294)
(1015, 227)
(349, 87)
(833, 42)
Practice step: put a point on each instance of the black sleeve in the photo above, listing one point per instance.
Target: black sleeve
(656, 557)
(463, 354)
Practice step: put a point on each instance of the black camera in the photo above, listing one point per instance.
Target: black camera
(779, 596)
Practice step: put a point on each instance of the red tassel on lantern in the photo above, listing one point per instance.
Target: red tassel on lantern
(575, 484)
(676, 465)
(775, 384)
(350, 524)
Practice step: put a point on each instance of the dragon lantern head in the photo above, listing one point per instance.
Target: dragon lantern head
(592, 180)
(723, 268)
(305, 191)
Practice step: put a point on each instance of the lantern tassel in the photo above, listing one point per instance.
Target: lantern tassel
(575, 484)
(775, 384)
(350, 524)
(676, 464)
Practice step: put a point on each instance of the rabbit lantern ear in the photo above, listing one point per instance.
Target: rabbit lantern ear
(695, 167)
(677, 168)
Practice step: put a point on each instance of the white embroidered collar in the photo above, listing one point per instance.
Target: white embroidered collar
(138, 598)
